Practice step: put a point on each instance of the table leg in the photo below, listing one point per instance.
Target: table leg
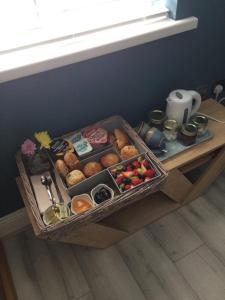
(216, 166)
(177, 186)
(7, 289)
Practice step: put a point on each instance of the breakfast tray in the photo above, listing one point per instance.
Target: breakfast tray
(67, 226)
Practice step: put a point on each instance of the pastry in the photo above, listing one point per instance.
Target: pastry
(71, 160)
(97, 137)
(109, 160)
(112, 140)
(128, 152)
(74, 177)
(61, 167)
(121, 138)
(92, 168)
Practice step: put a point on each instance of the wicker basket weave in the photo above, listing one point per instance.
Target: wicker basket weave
(99, 212)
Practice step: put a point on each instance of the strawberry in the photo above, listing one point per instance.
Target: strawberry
(129, 168)
(135, 173)
(145, 163)
(136, 164)
(149, 173)
(127, 187)
(136, 181)
(127, 174)
(119, 180)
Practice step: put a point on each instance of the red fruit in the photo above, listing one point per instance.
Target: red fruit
(129, 168)
(145, 163)
(136, 164)
(136, 181)
(119, 180)
(135, 173)
(127, 174)
(149, 173)
(127, 187)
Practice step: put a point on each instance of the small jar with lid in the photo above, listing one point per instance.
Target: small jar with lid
(157, 118)
(142, 129)
(170, 130)
(201, 122)
(188, 134)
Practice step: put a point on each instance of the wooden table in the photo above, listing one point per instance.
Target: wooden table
(178, 187)
(176, 191)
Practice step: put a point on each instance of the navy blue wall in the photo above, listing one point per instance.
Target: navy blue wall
(128, 82)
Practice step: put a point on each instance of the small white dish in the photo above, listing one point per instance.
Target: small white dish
(97, 189)
(85, 197)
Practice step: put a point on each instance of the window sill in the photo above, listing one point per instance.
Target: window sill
(54, 55)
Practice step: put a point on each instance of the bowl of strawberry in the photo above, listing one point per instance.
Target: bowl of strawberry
(133, 173)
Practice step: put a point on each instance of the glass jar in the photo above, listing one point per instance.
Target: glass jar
(142, 129)
(170, 130)
(157, 118)
(188, 134)
(201, 122)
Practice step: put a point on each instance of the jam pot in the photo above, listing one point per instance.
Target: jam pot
(201, 122)
(157, 118)
(188, 134)
(170, 130)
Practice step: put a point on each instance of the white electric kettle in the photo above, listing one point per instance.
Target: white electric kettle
(182, 104)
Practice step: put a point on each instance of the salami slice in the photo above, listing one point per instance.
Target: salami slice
(96, 136)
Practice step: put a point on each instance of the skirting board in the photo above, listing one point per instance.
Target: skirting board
(13, 222)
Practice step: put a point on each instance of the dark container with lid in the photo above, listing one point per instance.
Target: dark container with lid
(157, 118)
(201, 122)
(188, 134)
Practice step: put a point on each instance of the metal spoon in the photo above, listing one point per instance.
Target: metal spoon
(46, 181)
(56, 212)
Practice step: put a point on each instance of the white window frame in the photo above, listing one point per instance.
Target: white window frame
(43, 56)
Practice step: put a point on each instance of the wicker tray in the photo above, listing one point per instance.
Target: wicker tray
(67, 226)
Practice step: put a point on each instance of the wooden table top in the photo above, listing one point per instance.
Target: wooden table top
(216, 110)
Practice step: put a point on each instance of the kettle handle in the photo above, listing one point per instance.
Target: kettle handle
(198, 99)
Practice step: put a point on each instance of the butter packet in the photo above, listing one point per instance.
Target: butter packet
(82, 147)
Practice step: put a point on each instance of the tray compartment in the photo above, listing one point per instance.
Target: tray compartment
(97, 158)
(144, 155)
(87, 185)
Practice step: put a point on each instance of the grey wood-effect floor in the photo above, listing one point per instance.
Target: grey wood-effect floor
(180, 257)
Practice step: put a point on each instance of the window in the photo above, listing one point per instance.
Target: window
(39, 35)
(32, 22)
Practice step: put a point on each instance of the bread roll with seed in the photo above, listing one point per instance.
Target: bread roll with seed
(121, 138)
(61, 167)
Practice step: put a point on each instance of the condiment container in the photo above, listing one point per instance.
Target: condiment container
(157, 118)
(142, 129)
(81, 203)
(55, 213)
(201, 122)
(97, 189)
(155, 139)
(170, 130)
(188, 134)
